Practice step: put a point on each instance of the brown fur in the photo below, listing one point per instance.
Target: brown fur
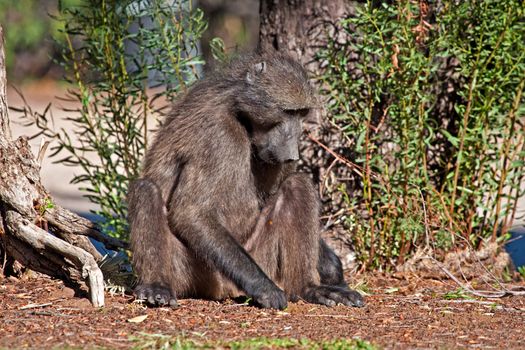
(219, 210)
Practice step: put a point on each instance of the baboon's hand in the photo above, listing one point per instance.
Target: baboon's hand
(333, 295)
(271, 297)
(155, 295)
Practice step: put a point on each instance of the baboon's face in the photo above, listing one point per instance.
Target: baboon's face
(279, 142)
(271, 103)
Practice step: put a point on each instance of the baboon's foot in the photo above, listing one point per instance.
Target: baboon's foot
(155, 295)
(333, 295)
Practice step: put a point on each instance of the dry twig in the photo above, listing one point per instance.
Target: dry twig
(468, 289)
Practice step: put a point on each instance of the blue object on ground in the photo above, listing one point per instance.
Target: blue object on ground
(99, 246)
(515, 246)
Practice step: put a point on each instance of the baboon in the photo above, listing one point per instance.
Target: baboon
(220, 210)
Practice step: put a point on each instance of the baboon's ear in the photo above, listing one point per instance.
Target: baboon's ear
(256, 69)
(260, 67)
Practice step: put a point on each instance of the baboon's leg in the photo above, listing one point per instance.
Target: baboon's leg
(161, 261)
(329, 266)
(286, 244)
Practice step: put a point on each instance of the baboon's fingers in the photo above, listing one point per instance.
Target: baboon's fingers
(274, 299)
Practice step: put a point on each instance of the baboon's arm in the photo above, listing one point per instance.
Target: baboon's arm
(215, 245)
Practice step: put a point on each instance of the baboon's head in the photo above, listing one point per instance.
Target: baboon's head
(271, 103)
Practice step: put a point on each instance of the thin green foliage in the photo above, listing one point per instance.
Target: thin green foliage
(456, 294)
(27, 29)
(114, 51)
(431, 105)
(521, 271)
(161, 341)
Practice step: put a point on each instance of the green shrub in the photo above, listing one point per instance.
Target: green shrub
(111, 83)
(28, 29)
(431, 106)
(23, 28)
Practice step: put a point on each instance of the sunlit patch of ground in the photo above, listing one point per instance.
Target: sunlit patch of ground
(43, 313)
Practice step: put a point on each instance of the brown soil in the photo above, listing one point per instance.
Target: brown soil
(407, 313)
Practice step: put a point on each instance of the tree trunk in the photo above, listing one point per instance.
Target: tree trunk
(40, 235)
(301, 28)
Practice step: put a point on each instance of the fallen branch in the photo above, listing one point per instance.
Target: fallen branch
(42, 241)
(34, 306)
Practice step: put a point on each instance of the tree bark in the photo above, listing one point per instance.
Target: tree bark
(35, 232)
(301, 29)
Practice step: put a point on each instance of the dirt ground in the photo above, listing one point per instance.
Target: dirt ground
(400, 313)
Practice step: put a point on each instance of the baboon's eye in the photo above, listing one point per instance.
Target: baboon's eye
(245, 121)
(269, 125)
(302, 112)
